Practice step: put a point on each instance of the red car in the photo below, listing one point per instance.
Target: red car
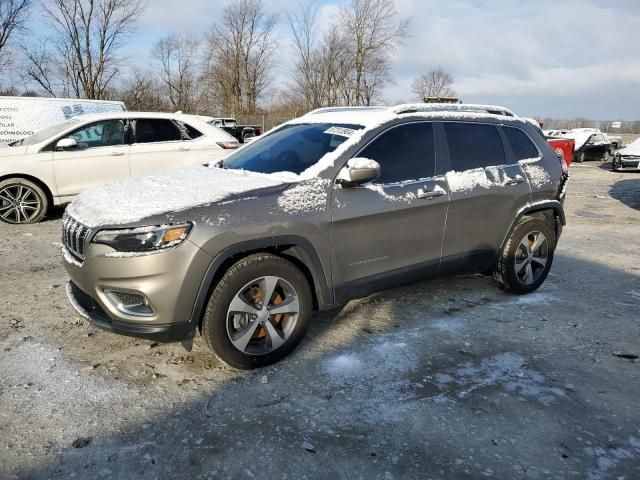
(564, 147)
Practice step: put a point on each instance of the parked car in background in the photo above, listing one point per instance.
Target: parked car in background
(331, 206)
(590, 144)
(564, 148)
(240, 132)
(628, 157)
(23, 116)
(53, 165)
(616, 141)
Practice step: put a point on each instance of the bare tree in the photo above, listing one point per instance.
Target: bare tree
(435, 83)
(142, 92)
(240, 54)
(374, 31)
(177, 56)
(13, 14)
(84, 51)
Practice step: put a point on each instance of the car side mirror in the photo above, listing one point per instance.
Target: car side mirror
(66, 143)
(358, 171)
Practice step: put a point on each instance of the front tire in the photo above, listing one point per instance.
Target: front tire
(22, 201)
(526, 257)
(258, 312)
(580, 157)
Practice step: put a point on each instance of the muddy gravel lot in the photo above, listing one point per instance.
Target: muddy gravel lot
(445, 379)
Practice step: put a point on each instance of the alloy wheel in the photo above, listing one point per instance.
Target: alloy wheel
(19, 203)
(262, 315)
(531, 257)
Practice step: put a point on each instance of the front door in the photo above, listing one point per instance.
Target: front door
(391, 230)
(101, 156)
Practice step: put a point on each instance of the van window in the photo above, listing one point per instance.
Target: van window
(522, 146)
(405, 152)
(474, 145)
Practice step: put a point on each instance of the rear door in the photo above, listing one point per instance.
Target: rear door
(484, 193)
(101, 156)
(160, 144)
(393, 227)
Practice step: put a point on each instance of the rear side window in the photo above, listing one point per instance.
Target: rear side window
(473, 145)
(404, 153)
(151, 130)
(192, 132)
(522, 146)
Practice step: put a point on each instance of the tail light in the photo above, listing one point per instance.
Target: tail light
(229, 145)
(563, 162)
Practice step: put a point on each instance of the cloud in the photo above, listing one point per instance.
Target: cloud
(560, 58)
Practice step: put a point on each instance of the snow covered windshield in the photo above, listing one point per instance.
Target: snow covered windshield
(44, 134)
(292, 148)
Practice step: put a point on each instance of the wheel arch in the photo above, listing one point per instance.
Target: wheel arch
(37, 181)
(295, 249)
(550, 210)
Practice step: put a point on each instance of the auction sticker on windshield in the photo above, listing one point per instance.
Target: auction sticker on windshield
(342, 131)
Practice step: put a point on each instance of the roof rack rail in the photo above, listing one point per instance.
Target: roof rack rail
(452, 107)
(343, 109)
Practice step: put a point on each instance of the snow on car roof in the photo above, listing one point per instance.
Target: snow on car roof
(370, 117)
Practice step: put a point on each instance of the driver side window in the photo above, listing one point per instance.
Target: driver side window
(405, 153)
(107, 133)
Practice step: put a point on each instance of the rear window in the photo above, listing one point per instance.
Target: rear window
(522, 146)
(473, 145)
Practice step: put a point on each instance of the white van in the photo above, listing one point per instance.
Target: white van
(23, 116)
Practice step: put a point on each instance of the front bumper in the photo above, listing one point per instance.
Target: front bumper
(88, 308)
(626, 163)
(169, 280)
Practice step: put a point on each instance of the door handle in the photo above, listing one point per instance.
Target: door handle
(430, 194)
(184, 149)
(515, 180)
(116, 154)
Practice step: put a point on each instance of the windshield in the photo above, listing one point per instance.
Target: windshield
(293, 148)
(44, 134)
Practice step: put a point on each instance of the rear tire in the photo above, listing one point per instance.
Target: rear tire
(524, 264)
(22, 201)
(238, 325)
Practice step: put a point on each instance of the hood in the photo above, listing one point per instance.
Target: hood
(7, 151)
(131, 200)
(632, 149)
(579, 137)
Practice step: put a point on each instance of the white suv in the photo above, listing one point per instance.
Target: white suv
(55, 164)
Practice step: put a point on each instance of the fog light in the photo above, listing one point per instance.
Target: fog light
(130, 303)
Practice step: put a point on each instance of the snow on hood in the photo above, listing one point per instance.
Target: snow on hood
(136, 198)
(580, 137)
(632, 149)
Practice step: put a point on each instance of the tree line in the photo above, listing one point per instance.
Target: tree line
(229, 70)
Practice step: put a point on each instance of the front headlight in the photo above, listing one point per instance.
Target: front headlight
(143, 239)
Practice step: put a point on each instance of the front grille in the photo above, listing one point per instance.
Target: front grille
(74, 236)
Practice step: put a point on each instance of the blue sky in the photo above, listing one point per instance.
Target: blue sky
(562, 58)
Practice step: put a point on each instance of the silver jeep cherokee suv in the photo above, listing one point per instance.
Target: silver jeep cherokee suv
(328, 207)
